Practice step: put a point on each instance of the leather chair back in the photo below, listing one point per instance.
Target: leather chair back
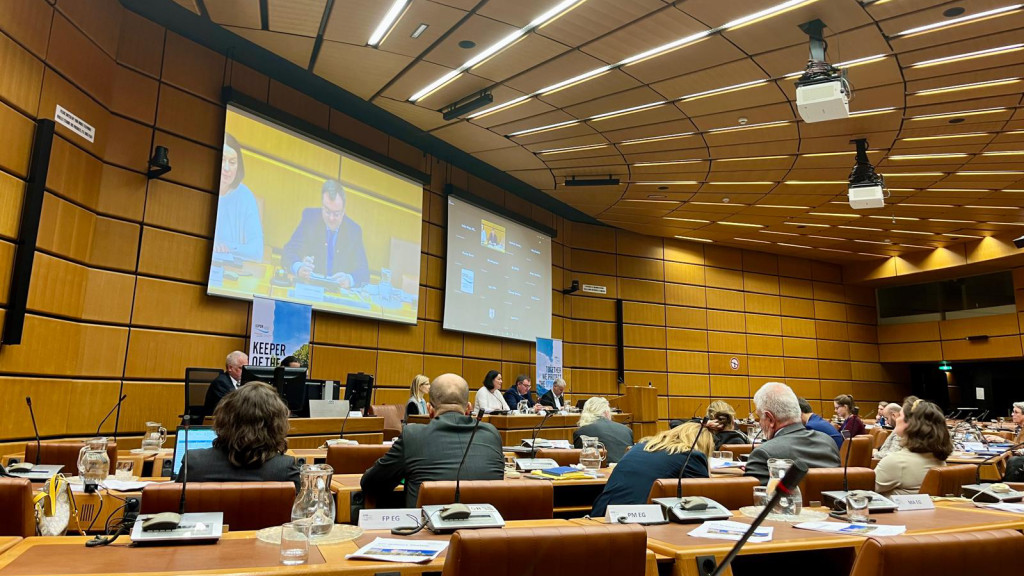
(878, 436)
(354, 458)
(736, 450)
(246, 505)
(564, 456)
(514, 499)
(945, 480)
(820, 480)
(598, 550)
(733, 492)
(17, 517)
(65, 453)
(860, 451)
(393, 415)
(928, 554)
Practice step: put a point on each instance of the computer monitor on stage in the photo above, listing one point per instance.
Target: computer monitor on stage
(290, 383)
(359, 391)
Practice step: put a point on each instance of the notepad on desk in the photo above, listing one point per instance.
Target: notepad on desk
(560, 473)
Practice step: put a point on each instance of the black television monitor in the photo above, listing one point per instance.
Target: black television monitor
(290, 383)
(359, 391)
(315, 390)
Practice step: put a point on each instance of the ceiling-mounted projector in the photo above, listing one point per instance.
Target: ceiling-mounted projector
(822, 92)
(867, 188)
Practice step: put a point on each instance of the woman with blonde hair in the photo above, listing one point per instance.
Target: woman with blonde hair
(596, 421)
(658, 456)
(722, 419)
(418, 391)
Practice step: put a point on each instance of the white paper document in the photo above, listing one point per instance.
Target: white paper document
(729, 530)
(1007, 507)
(118, 485)
(397, 550)
(720, 463)
(852, 529)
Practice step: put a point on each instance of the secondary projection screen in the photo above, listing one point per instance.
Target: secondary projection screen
(299, 220)
(499, 275)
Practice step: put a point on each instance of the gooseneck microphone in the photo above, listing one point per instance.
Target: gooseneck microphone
(35, 429)
(785, 487)
(107, 417)
(848, 441)
(679, 480)
(457, 510)
(533, 442)
(184, 468)
(344, 421)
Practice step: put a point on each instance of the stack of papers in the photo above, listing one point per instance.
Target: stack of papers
(1007, 507)
(729, 530)
(852, 529)
(397, 550)
(574, 475)
(720, 463)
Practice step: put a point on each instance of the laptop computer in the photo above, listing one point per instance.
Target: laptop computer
(199, 437)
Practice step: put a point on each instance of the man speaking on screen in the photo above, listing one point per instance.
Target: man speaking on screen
(327, 245)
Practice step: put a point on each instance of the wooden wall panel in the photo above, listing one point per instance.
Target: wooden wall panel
(194, 310)
(154, 354)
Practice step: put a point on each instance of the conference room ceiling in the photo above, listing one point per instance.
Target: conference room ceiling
(696, 116)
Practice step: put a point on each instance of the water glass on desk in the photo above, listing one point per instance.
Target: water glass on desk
(295, 542)
(857, 506)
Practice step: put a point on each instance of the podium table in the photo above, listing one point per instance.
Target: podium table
(514, 428)
(313, 432)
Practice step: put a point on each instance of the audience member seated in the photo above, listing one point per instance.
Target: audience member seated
(814, 422)
(722, 420)
(851, 424)
(785, 435)
(433, 451)
(658, 456)
(1015, 465)
(228, 381)
(520, 392)
(489, 395)
(926, 444)
(555, 398)
(893, 442)
(418, 390)
(596, 420)
(880, 417)
(291, 362)
(252, 437)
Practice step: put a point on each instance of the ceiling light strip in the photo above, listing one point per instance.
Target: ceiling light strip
(968, 56)
(958, 21)
(391, 18)
(969, 86)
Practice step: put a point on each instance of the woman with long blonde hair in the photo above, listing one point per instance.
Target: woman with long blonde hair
(418, 391)
(658, 456)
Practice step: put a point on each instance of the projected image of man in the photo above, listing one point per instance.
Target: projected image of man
(239, 230)
(327, 244)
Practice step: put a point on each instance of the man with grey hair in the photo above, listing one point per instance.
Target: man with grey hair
(429, 452)
(555, 398)
(785, 435)
(226, 382)
(893, 442)
(596, 422)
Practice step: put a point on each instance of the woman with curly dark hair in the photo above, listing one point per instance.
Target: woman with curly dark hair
(926, 444)
(252, 435)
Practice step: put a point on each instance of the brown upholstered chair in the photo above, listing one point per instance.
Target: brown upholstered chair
(564, 456)
(733, 492)
(596, 550)
(16, 515)
(878, 436)
(393, 415)
(737, 449)
(860, 451)
(928, 554)
(514, 499)
(946, 480)
(820, 480)
(246, 505)
(354, 458)
(65, 453)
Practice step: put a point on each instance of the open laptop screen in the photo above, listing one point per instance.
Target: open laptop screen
(199, 437)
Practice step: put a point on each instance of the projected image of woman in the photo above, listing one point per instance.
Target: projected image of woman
(239, 230)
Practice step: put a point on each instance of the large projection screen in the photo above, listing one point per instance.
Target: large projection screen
(301, 221)
(498, 281)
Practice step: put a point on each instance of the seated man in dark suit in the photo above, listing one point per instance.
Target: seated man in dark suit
(328, 243)
(252, 437)
(555, 398)
(428, 452)
(596, 420)
(521, 391)
(785, 434)
(228, 381)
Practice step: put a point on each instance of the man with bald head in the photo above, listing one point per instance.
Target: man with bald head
(427, 452)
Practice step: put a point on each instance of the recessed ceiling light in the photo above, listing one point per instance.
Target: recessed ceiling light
(694, 239)
(572, 149)
(694, 220)
(544, 128)
(667, 162)
(861, 228)
(806, 224)
(946, 136)
(467, 44)
(968, 86)
(655, 196)
(960, 114)
(391, 17)
(791, 245)
(752, 240)
(419, 30)
(953, 12)
(747, 224)
(968, 56)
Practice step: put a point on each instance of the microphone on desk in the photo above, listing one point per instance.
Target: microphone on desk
(457, 510)
(785, 487)
(533, 443)
(170, 520)
(105, 418)
(847, 437)
(35, 429)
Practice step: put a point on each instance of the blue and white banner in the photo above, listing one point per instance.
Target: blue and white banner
(279, 329)
(549, 363)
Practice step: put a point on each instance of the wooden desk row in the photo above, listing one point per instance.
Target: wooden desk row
(514, 428)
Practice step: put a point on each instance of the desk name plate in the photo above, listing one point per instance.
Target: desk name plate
(388, 518)
(913, 502)
(635, 514)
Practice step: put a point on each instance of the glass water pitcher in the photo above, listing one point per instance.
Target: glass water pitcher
(790, 504)
(93, 462)
(155, 437)
(314, 500)
(593, 453)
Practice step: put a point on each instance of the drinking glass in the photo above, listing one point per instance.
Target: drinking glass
(723, 455)
(857, 506)
(760, 496)
(295, 542)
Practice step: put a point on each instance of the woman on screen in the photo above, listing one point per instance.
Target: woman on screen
(239, 231)
(417, 403)
(489, 396)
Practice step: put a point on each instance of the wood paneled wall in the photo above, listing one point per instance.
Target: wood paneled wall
(118, 288)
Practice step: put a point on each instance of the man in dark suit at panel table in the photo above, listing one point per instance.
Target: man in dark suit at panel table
(555, 398)
(430, 452)
(328, 244)
(228, 381)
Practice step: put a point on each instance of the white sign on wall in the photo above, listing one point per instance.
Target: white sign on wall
(65, 118)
